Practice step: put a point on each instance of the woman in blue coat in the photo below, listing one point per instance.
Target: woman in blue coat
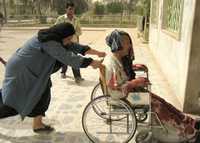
(26, 87)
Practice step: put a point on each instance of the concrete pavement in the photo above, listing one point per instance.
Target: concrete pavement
(68, 98)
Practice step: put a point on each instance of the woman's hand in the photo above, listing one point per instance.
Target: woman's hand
(101, 54)
(96, 64)
(95, 52)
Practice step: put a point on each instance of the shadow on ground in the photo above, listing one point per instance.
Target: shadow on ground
(57, 137)
(85, 83)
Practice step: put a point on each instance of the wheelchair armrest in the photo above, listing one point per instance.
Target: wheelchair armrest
(140, 67)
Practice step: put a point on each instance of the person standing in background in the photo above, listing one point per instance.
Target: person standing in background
(71, 18)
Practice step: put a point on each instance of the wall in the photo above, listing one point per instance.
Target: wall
(171, 53)
(192, 94)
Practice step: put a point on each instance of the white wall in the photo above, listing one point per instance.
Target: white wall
(173, 54)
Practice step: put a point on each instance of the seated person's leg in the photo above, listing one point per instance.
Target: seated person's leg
(168, 114)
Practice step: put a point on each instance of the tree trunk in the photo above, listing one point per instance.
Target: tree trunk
(5, 10)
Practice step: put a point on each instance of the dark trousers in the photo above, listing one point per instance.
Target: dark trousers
(39, 109)
(197, 138)
(76, 72)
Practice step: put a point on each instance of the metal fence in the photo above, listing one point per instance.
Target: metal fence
(91, 20)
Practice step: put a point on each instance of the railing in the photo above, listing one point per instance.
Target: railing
(110, 20)
(92, 20)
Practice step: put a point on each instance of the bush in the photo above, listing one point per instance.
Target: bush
(114, 7)
(99, 8)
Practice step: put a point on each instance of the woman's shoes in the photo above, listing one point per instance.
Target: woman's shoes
(45, 129)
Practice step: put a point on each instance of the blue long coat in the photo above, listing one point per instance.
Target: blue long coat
(29, 69)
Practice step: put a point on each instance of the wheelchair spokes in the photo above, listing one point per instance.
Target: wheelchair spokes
(106, 128)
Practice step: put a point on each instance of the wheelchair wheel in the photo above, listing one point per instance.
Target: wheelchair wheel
(143, 136)
(108, 130)
(96, 92)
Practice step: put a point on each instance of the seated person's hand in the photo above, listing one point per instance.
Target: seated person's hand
(130, 85)
(140, 82)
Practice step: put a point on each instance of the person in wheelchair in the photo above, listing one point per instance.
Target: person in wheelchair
(120, 80)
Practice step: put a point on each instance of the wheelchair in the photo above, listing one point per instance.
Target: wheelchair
(106, 120)
(112, 121)
(141, 71)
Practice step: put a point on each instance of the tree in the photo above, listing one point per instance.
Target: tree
(115, 7)
(60, 6)
(5, 10)
(40, 8)
(143, 7)
(132, 6)
(99, 8)
(80, 6)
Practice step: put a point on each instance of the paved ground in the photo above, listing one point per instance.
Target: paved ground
(68, 98)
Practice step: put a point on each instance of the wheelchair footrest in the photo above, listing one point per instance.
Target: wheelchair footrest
(145, 108)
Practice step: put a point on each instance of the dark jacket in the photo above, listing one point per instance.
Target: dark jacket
(29, 69)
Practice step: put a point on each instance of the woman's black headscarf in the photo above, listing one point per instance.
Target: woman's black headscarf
(114, 41)
(56, 33)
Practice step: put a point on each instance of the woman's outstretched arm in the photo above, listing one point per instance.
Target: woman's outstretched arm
(95, 52)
